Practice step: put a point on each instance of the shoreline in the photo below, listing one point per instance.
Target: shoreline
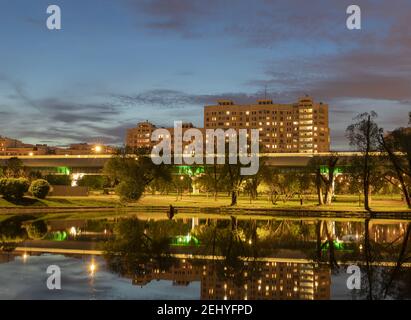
(223, 210)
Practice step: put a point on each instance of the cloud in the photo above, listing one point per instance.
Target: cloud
(263, 23)
(303, 47)
(174, 16)
(172, 99)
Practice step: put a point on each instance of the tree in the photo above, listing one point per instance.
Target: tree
(285, 185)
(136, 243)
(132, 174)
(325, 177)
(253, 182)
(14, 168)
(211, 179)
(12, 188)
(397, 145)
(181, 183)
(40, 188)
(232, 172)
(364, 135)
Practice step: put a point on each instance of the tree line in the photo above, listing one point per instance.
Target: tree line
(382, 164)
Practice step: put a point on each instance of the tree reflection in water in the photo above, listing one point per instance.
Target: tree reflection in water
(386, 282)
(138, 246)
(240, 253)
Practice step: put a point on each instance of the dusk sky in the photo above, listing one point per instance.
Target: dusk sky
(115, 63)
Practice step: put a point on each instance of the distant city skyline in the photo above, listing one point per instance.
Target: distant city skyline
(116, 63)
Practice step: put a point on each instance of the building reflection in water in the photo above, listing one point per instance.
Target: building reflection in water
(275, 280)
(241, 259)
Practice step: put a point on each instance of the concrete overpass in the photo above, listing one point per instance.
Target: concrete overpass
(93, 164)
(63, 164)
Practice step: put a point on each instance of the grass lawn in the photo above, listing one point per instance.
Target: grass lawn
(92, 201)
(342, 202)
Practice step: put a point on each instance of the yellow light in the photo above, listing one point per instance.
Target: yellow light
(31, 154)
(92, 268)
(25, 256)
(73, 231)
(98, 148)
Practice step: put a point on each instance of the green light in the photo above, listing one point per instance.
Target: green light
(324, 170)
(187, 240)
(338, 245)
(63, 170)
(58, 236)
(188, 170)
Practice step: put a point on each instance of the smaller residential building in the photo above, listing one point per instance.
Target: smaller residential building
(140, 136)
(84, 149)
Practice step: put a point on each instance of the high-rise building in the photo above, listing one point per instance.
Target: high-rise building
(296, 127)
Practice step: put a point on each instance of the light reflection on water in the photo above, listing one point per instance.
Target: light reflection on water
(27, 280)
(246, 259)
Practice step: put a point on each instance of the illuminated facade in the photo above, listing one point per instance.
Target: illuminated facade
(291, 128)
(140, 136)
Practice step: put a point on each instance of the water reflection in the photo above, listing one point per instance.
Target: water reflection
(262, 280)
(236, 258)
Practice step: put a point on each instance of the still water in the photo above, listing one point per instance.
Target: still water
(192, 258)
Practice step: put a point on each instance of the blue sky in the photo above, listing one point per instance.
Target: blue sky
(115, 63)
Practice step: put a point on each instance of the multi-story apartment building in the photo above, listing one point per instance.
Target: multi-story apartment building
(296, 127)
(140, 136)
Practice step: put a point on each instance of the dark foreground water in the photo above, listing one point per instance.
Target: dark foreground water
(227, 258)
(26, 279)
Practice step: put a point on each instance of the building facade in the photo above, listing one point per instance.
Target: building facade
(291, 128)
(14, 147)
(140, 136)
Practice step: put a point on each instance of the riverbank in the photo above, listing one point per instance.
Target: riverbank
(343, 206)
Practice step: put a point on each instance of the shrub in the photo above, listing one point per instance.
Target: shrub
(3, 183)
(36, 230)
(129, 190)
(14, 188)
(40, 188)
(93, 182)
(59, 180)
(12, 229)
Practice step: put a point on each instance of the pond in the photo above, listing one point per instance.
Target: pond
(138, 257)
